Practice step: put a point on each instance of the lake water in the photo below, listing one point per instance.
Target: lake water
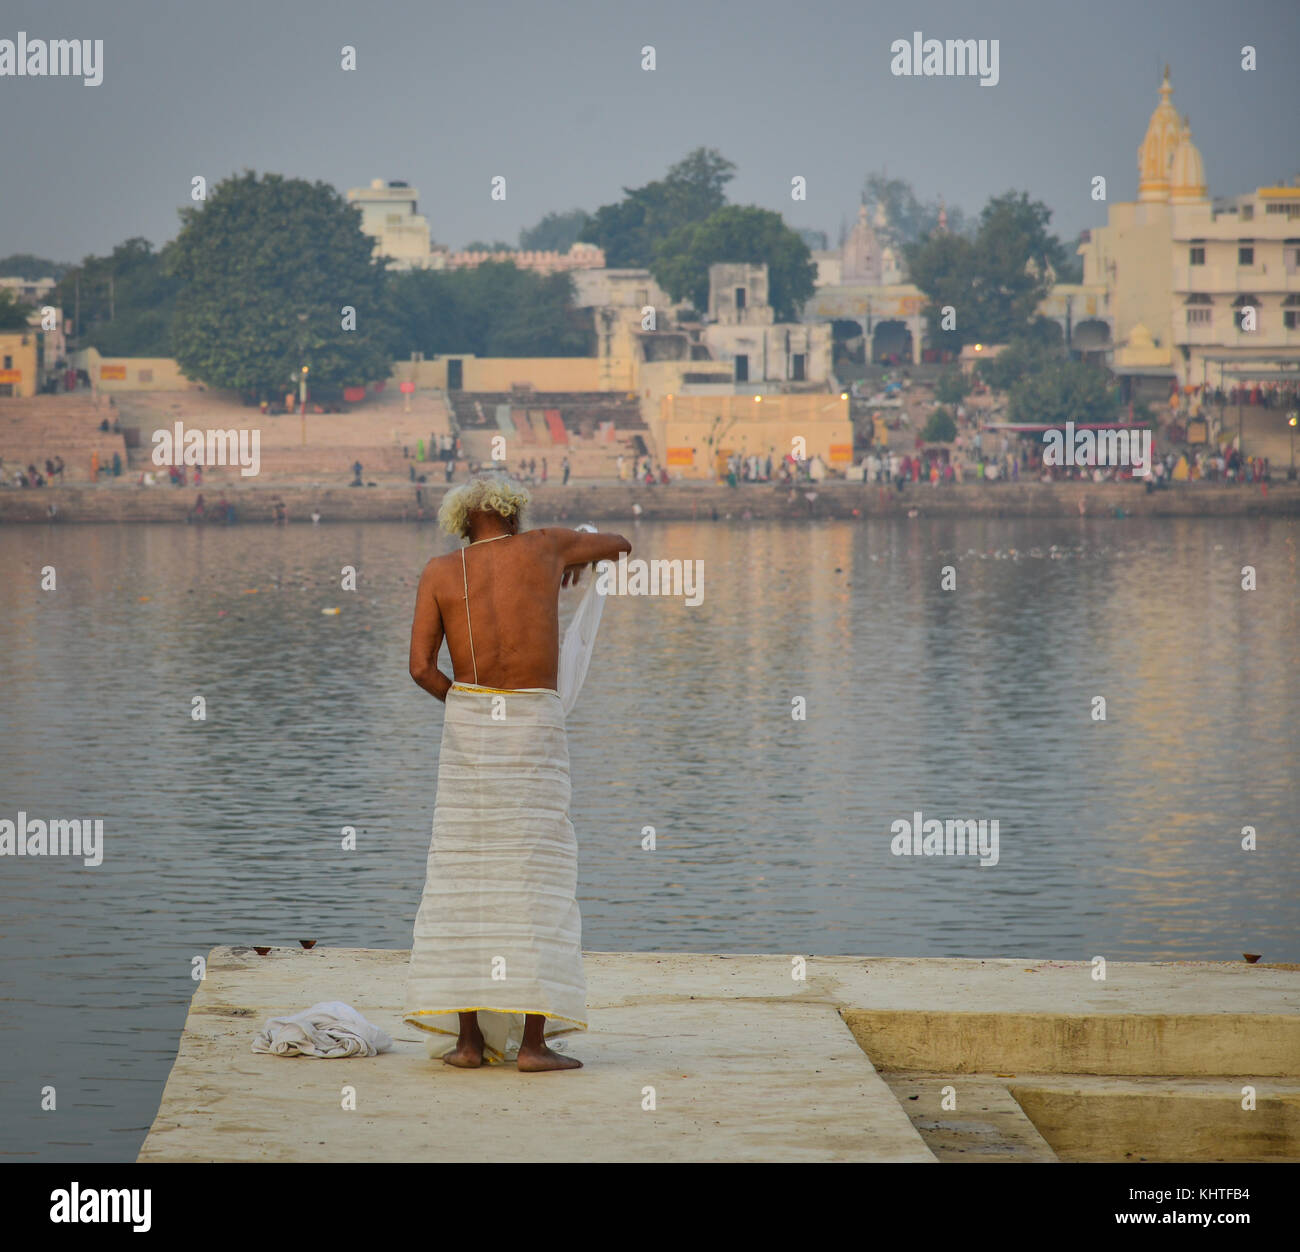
(1118, 838)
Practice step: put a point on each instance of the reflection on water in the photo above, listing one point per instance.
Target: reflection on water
(1119, 838)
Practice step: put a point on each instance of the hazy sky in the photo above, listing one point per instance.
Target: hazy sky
(551, 94)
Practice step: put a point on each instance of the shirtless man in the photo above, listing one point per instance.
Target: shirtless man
(514, 603)
(507, 583)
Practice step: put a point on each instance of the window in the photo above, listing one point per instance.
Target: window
(1197, 256)
(740, 298)
(1291, 313)
(1292, 259)
(1200, 316)
(797, 367)
(1247, 212)
(9, 362)
(742, 368)
(1246, 254)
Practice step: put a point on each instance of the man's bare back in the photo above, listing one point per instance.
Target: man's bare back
(514, 583)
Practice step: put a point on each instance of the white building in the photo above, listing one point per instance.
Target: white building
(742, 330)
(389, 213)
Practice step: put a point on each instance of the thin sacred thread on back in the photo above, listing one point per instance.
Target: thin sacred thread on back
(465, 578)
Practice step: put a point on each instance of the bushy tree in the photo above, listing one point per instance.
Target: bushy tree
(1063, 391)
(994, 282)
(940, 428)
(556, 232)
(910, 219)
(952, 386)
(1022, 357)
(737, 233)
(494, 309)
(125, 300)
(267, 266)
(630, 230)
(25, 265)
(13, 312)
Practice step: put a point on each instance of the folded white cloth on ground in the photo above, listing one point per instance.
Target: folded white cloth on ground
(330, 1030)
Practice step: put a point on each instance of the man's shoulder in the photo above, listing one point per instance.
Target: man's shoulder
(435, 565)
(547, 534)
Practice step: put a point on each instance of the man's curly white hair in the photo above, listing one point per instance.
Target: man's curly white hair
(491, 493)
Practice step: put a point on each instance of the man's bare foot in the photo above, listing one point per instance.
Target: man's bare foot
(539, 1058)
(467, 1054)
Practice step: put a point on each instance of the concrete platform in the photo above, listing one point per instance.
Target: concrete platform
(745, 1062)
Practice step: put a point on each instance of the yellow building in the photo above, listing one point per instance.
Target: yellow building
(1194, 285)
(701, 431)
(19, 363)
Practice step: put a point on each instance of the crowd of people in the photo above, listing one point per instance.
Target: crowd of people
(31, 476)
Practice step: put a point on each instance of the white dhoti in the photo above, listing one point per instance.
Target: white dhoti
(498, 931)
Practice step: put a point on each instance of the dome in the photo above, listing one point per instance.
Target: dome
(1156, 152)
(1187, 173)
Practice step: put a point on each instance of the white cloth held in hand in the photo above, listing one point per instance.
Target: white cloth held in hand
(328, 1030)
(579, 640)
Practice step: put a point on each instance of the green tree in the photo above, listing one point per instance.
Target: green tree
(952, 386)
(910, 218)
(556, 232)
(737, 233)
(1063, 391)
(481, 245)
(1022, 357)
(13, 312)
(493, 309)
(993, 282)
(631, 230)
(25, 265)
(125, 300)
(267, 267)
(940, 428)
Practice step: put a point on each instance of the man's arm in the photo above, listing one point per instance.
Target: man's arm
(577, 548)
(426, 639)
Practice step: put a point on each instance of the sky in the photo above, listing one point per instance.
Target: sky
(552, 96)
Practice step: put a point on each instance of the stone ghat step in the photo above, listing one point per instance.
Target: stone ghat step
(745, 1061)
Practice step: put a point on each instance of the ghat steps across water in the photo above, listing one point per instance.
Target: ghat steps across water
(123, 501)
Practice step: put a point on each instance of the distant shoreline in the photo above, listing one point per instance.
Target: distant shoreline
(602, 502)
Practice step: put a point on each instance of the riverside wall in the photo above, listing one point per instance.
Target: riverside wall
(608, 502)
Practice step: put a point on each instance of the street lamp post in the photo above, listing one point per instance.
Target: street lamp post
(302, 402)
(302, 377)
(1291, 422)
